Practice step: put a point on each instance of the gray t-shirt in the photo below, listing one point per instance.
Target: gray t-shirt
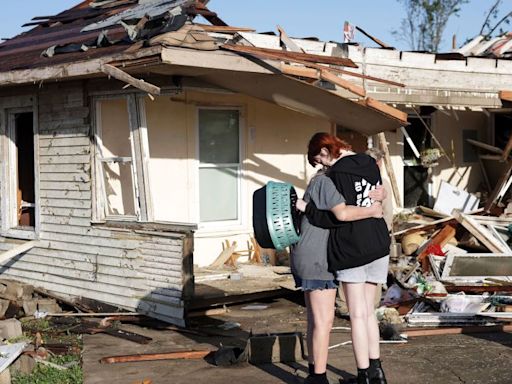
(309, 255)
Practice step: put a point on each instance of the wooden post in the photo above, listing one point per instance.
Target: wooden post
(389, 168)
(506, 151)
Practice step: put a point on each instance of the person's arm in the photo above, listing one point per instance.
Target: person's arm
(337, 215)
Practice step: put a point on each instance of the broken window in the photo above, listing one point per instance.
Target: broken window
(118, 171)
(219, 164)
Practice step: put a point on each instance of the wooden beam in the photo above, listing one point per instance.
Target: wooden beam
(118, 74)
(485, 146)
(224, 28)
(19, 249)
(382, 44)
(294, 70)
(508, 148)
(389, 168)
(505, 95)
(156, 356)
(441, 239)
(458, 330)
(388, 110)
(367, 77)
(289, 43)
(331, 77)
(277, 54)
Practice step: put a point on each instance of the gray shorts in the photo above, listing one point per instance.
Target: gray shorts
(374, 272)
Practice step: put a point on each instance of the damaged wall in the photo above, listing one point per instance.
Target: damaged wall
(137, 270)
(449, 128)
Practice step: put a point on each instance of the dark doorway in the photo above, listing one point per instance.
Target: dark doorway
(25, 192)
(416, 176)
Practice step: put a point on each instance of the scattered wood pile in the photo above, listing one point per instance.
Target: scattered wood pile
(453, 270)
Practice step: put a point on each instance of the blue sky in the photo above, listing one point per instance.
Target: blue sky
(300, 18)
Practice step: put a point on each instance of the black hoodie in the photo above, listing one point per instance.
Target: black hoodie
(353, 243)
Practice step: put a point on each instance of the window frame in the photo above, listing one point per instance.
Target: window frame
(221, 224)
(139, 150)
(9, 108)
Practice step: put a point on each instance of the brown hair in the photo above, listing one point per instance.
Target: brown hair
(325, 140)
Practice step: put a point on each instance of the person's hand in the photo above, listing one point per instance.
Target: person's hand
(378, 194)
(300, 205)
(377, 210)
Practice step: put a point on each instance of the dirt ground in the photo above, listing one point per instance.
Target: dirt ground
(473, 358)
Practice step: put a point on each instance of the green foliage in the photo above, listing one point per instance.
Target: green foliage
(426, 21)
(491, 22)
(44, 374)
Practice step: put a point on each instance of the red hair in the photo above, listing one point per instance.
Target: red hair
(325, 140)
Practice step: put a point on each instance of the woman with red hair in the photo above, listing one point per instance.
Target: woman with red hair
(309, 257)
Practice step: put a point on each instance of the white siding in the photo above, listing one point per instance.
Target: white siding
(146, 272)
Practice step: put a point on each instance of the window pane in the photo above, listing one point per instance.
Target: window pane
(115, 128)
(218, 194)
(218, 136)
(119, 188)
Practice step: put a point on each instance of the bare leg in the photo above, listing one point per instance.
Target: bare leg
(358, 309)
(372, 325)
(311, 326)
(321, 305)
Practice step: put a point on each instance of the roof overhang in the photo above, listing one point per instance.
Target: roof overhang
(258, 78)
(262, 79)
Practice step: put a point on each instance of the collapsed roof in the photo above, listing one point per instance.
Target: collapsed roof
(98, 37)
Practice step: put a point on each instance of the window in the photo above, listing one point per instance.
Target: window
(219, 165)
(120, 178)
(19, 200)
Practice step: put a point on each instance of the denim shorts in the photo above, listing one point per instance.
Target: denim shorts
(313, 285)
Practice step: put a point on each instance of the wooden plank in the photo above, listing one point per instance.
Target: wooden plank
(388, 110)
(292, 56)
(156, 356)
(335, 70)
(64, 186)
(389, 168)
(60, 194)
(441, 239)
(224, 256)
(76, 177)
(224, 28)
(289, 43)
(295, 70)
(505, 95)
(374, 39)
(485, 146)
(507, 150)
(118, 74)
(58, 141)
(64, 151)
(19, 249)
(458, 330)
(331, 77)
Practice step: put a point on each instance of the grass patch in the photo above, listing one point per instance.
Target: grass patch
(44, 374)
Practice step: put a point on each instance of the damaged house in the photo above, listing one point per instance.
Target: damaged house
(132, 140)
(133, 137)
